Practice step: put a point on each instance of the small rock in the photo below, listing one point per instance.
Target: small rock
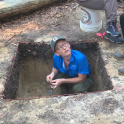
(1, 122)
(34, 54)
(29, 50)
(39, 39)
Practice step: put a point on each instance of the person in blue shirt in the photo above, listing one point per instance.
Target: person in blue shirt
(71, 69)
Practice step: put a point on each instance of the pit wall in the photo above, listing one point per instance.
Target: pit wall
(90, 49)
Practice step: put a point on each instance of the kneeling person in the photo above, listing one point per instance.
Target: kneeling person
(70, 68)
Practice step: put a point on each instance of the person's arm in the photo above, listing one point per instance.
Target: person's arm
(51, 75)
(58, 82)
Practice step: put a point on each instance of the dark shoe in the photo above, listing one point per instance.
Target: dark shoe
(114, 39)
(118, 55)
(121, 71)
(112, 29)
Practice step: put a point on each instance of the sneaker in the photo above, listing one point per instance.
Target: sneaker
(121, 71)
(118, 55)
(114, 39)
(112, 29)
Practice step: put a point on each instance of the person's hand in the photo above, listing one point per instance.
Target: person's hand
(55, 83)
(50, 77)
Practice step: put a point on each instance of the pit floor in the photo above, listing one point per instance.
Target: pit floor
(32, 79)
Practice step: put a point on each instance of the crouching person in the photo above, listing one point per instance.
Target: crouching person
(71, 69)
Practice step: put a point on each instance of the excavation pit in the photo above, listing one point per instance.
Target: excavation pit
(33, 62)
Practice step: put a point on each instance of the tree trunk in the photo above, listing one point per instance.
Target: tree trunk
(9, 8)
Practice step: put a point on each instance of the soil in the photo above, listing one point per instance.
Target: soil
(41, 26)
(33, 62)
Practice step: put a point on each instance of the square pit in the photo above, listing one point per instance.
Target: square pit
(33, 62)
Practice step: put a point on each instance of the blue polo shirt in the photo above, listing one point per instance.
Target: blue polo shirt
(78, 64)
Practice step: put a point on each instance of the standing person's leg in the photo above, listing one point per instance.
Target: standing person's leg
(112, 33)
(110, 7)
(118, 55)
(122, 23)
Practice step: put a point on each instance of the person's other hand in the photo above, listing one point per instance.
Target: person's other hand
(55, 83)
(49, 77)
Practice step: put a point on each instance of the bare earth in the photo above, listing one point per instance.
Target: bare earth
(92, 108)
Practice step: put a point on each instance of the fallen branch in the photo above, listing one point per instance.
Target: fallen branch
(75, 7)
(22, 7)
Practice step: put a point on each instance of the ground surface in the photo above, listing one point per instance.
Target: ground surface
(93, 108)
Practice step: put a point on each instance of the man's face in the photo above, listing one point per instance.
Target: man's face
(62, 48)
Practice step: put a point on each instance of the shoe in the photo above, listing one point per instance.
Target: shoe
(114, 39)
(112, 29)
(121, 71)
(118, 55)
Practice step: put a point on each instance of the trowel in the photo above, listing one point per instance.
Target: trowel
(50, 91)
